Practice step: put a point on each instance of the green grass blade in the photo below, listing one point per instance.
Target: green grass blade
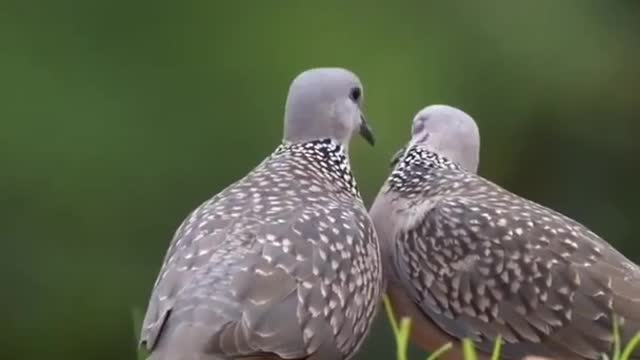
(403, 338)
(497, 349)
(631, 346)
(389, 310)
(616, 339)
(468, 350)
(443, 349)
(400, 332)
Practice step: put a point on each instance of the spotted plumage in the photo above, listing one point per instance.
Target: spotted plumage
(474, 260)
(282, 264)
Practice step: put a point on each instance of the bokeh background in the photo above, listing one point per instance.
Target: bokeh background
(118, 117)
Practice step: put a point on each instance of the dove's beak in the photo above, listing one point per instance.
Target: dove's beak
(397, 156)
(365, 131)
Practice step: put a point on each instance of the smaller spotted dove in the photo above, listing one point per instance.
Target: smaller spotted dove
(465, 258)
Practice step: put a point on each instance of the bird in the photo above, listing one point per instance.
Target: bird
(285, 262)
(466, 258)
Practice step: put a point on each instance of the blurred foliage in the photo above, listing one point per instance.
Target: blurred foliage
(119, 117)
(402, 331)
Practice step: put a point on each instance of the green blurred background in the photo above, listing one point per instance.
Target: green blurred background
(119, 117)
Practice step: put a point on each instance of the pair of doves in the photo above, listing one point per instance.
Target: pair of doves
(287, 263)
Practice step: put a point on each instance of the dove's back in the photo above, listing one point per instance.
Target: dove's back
(284, 261)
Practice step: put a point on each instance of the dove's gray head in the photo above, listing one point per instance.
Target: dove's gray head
(448, 132)
(325, 103)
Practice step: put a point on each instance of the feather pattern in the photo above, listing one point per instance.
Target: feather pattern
(282, 263)
(480, 262)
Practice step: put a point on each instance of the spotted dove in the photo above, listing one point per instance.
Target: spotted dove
(465, 258)
(284, 263)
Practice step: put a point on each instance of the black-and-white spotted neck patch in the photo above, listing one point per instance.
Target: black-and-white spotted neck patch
(417, 167)
(328, 157)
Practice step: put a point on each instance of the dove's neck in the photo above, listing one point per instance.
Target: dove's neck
(323, 158)
(418, 156)
(418, 169)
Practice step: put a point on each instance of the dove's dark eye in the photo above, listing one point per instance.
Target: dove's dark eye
(355, 94)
